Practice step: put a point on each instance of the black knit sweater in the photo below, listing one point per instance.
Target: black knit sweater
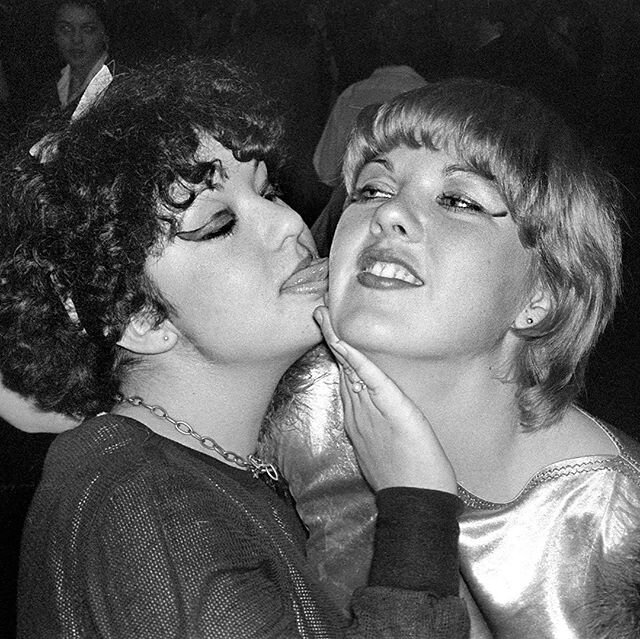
(131, 535)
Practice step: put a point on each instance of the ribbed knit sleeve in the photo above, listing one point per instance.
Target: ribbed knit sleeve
(416, 545)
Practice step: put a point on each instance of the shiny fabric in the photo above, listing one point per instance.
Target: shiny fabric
(533, 565)
(334, 502)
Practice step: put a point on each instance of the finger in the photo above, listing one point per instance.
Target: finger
(351, 387)
(346, 354)
(345, 395)
(321, 316)
(376, 381)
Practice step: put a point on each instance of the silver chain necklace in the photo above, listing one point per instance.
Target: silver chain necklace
(252, 463)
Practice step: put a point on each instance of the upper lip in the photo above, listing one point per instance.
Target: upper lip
(303, 263)
(372, 254)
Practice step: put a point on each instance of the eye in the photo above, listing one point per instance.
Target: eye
(370, 192)
(222, 224)
(458, 203)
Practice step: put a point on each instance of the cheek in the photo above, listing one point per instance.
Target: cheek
(95, 42)
(339, 261)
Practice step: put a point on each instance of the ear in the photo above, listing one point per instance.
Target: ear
(535, 311)
(145, 338)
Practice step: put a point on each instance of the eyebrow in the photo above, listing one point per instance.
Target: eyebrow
(382, 160)
(452, 169)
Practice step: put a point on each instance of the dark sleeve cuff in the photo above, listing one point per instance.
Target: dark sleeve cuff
(416, 542)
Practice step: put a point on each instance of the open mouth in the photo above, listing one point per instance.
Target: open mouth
(384, 269)
(392, 271)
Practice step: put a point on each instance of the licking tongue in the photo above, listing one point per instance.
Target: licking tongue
(316, 271)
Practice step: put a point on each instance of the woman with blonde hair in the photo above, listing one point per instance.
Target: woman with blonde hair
(476, 263)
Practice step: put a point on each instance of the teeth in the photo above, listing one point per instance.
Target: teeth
(392, 271)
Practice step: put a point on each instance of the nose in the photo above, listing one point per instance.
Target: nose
(76, 35)
(394, 218)
(286, 225)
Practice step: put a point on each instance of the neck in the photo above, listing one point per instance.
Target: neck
(79, 73)
(472, 411)
(224, 402)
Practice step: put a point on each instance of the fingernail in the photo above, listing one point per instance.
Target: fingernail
(317, 316)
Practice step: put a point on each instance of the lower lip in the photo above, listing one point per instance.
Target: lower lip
(369, 280)
(318, 287)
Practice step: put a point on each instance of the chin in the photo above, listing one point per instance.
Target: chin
(362, 332)
(303, 340)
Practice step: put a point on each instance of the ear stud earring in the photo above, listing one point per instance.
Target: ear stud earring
(529, 320)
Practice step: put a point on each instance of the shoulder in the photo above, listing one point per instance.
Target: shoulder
(112, 474)
(582, 442)
(587, 435)
(112, 459)
(305, 418)
(577, 434)
(603, 460)
(101, 438)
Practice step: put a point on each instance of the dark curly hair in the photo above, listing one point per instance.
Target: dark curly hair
(80, 220)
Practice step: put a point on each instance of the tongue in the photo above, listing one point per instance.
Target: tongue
(316, 271)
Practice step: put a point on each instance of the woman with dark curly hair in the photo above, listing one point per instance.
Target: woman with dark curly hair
(152, 275)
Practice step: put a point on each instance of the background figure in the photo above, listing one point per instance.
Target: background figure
(400, 51)
(208, 24)
(477, 262)
(282, 43)
(82, 40)
(405, 40)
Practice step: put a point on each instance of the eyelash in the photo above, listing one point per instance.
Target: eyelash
(365, 194)
(446, 200)
(267, 191)
(449, 201)
(223, 231)
(452, 202)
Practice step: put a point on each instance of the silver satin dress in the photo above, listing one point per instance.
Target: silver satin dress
(534, 565)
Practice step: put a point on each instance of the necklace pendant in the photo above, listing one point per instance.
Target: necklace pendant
(259, 467)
